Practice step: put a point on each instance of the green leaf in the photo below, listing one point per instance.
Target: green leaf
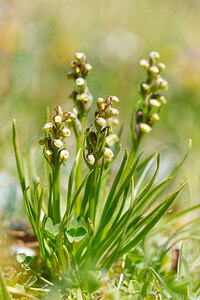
(146, 288)
(163, 284)
(24, 260)
(20, 287)
(50, 229)
(146, 189)
(31, 280)
(71, 178)
(17, 156)
(134, 287)
(77, 230)
(151, 219)
(90, 280)
(21, 257)
(179, 263)
(79, 294)
(3, 288)
(77, 222)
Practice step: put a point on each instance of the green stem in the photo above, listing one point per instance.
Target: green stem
(56, 194)
(79, 167)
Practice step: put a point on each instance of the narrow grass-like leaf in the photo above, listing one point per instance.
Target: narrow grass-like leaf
(109, 239)
(147, 163)
(29, 209)
(79, 190)
(169, 200)
(173, 173)
(17, 156)
(39, 207)
(119, 192)
(3, 288)
(179, 263)
(71, 178)
(141, 208)
(183, 160)
(149, 185)
(163, 284)
(188, 276)
(98, 188)
(114, 185)
(108, 169)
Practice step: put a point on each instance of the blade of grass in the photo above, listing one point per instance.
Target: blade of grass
(188, 275)
(163, 284)
(169, 200)
(71, 178)
(149, 185)
(4, 290)
(148, 163)
(17, 156)
(138, 211)
(119, 192)
(114, 185)
(179, 263)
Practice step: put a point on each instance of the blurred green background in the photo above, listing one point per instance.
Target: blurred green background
(37, 42)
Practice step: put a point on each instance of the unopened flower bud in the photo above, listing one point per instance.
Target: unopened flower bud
(108, 153)
(162, 100)
(88, 67)
(90, 159)
(114, 99)
(79, 56)
(107, 129)
(100, 100)
(114, 112)
(153, 103)
(69, 116)
(63, 155)
(144, 128)
(111, 139)
(46, 141)
(154, 118)
(154, 55)
(82, 97)
(153, 70)
(49, 154)
(58, 120)
(72, 116)
(58, 143)
(80, 81)
(71, 75)
(145, 87)
(47, 126)
(58, 110)
(113, 121)
(163, 84)
(161, 66)
(101, 122)
(65, 131)
(100, 103)
(144, 63)
(139, 116)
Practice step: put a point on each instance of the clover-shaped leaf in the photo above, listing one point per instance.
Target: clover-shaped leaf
(50, 229)
(77, 230)
(26, 261)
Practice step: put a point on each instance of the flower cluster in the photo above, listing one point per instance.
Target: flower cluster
(105, 118)
(81, 95)
(148, 112)
(54, 146)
